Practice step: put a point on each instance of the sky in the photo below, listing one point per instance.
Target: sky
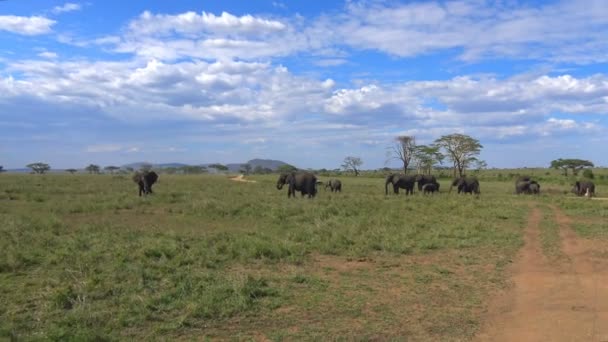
(306, 82)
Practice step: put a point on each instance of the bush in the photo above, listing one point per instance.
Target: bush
(588, 173)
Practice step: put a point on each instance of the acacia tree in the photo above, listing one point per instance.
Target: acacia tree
(219, 167)
(352, 164)
(427, 156)
(2, 169)
(92, 168)
(461, 149)
(111, 168)
(403, 149)
(246, 169)
(575, 164)
(39, 167)
(72, 171)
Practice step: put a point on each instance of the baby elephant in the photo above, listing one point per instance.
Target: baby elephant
(430, 188)
(334, 185)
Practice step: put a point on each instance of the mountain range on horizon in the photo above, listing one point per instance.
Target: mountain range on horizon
(232, 167)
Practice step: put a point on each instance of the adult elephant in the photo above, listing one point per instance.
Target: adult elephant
(335, 185)
(400, 181)
(527, 187)
(145, 180)
(425, 179)
(584, 187)
(305, 182)
(468, 185)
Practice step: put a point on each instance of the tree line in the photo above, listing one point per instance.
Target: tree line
(460, 150)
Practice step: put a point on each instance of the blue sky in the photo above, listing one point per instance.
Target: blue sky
(306, 82)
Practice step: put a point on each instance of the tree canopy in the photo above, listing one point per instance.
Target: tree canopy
(461, 149)
(39, 167)
(574, 164)
(72, 171)
(426, 157)
(92, 168)
(111, 168)
(352, 164)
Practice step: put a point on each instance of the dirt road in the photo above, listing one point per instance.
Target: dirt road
(563, 300)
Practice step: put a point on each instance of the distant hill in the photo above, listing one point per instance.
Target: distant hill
(232, 167)
(138, 165)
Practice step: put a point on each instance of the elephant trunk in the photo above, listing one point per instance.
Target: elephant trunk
(279, 186)
(450, 191)
(386, 187)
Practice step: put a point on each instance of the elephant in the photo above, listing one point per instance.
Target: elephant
(585, 187)
(305, 182)
(430, 188)
(335, 185)
(145, 180)
(527, 187)
(468, 185)
(534, 188)
(425, 179)
(400, 181)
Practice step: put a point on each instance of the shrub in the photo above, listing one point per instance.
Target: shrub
(588, 173)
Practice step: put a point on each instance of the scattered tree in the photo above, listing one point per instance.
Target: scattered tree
(194, 169)
(352, 164)
(246, 169)
(2, 169)
(403, 149)
(39, 167)
(574, 164)
(426, 157)
(461, 149)
(72, 171)
(129, 169)
(111, 168)
(219, 167)
(260, 170)
(92, 168)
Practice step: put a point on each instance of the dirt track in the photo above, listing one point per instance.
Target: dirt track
(565, 300)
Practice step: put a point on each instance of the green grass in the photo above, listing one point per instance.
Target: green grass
(82, 257)
(549, 236)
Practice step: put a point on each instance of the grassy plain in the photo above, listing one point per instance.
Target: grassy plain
(82, 257)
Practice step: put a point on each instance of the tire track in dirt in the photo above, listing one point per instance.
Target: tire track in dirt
(552, 302)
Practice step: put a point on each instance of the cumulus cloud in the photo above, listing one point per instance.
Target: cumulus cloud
(191, 23)
(67, 7)
(28, 26)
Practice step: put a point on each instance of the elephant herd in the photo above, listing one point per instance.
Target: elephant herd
(306, 183)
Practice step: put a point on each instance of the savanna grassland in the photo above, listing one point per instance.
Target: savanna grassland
(82, 257)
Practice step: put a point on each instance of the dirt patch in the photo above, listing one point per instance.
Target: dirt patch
(549, 302)
(241, 178)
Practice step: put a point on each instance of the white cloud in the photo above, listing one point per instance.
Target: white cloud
(48, 54)
(570, 31)
(191, 23)
(67, 7)
(28, 26)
